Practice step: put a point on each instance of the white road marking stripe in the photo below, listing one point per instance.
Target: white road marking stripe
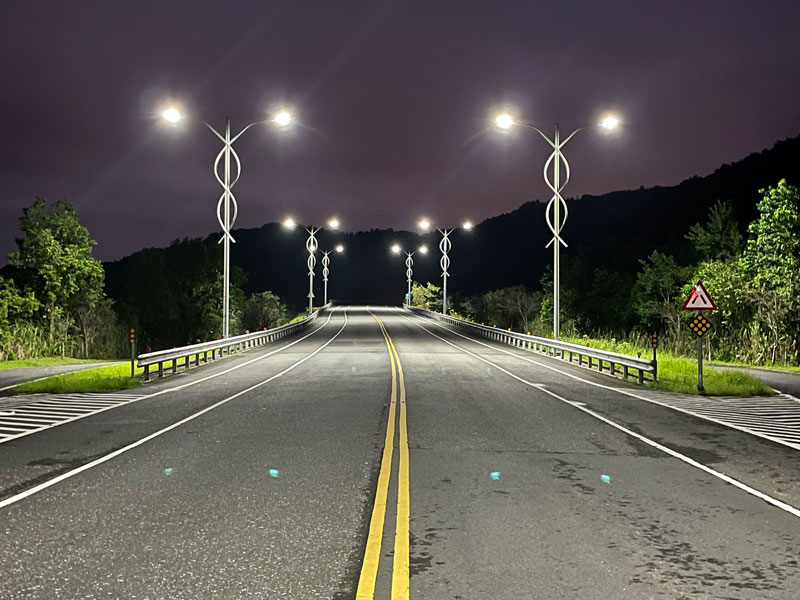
(688, 406)
(31, 406)
(577, 405)
(51, 482)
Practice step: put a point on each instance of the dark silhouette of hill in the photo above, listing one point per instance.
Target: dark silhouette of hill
(613, 231)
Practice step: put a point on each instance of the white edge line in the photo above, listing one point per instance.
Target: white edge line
(615, 389)
(144, 440)
(172, 389)
(735, 482)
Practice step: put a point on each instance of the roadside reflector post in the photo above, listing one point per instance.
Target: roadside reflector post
(133, 352)
(654, 340)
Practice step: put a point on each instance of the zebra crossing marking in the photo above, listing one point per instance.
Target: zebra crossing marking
(21, 416)
(775, 418)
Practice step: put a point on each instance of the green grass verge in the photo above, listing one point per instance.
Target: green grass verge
(679, 374)
(101, 379)
(44, 362)
(784, 368)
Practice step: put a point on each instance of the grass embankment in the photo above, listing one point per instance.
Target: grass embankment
(679, 374)
(101, 379)
(44, 362)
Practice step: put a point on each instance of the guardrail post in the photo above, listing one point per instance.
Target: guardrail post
(625, 372)
(161, 369)
(641, 376)
(147, 372)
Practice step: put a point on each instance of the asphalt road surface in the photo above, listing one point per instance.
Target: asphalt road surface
(381, 455)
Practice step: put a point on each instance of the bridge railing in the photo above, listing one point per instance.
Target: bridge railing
(205, 351)
(603, 361)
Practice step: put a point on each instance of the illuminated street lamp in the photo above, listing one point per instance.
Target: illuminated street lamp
(396, 249)
(504, 123)
(326, 261)
(227, 208)
(311, 246)
(444, 247)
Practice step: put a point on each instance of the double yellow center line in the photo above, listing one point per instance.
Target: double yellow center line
(369, 568)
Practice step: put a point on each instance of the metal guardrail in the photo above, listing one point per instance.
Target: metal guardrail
(611, 363)
(219, 348)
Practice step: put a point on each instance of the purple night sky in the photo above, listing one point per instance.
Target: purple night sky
(394, 101)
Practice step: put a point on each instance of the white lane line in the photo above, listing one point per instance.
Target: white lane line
(51, 482)
(787, 441)
(32, 409)
(578, 405)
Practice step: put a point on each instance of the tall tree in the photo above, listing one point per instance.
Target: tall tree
(55, 260)
(771, 259)
(719, 238)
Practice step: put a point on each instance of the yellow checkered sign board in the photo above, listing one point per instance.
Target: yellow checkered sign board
(700, 325)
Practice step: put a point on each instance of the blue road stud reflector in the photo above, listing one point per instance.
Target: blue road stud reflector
(168, 471)
(495, 475)
(606, 478)
(273, 472)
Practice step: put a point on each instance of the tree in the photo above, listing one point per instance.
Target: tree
(719, 238)
(771, 260)
(513, 306)
(55, 260)
(426, 296)
(263, 310)
(659, 290)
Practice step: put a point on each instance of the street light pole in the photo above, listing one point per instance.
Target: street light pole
(227, 207)
(557, 221)
(409, 272)
(311, 246)
(444, 262)
(326, 261)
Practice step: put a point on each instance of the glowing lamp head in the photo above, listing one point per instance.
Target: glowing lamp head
(609, 123)
(504, 121)
(172, 114)
(333, 223)
(467, 225)
(283, 119)
(423, 249)
(289, 223)
(424, 224)
(395, 248)
(339, 248)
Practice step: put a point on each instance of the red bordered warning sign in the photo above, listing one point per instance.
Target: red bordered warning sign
(699, 299)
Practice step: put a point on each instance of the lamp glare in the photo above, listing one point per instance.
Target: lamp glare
(172, 114)
(504, 121)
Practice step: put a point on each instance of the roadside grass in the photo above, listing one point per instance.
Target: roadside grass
(679, 374)
(101, 379)
(45, 362)
(784, 368)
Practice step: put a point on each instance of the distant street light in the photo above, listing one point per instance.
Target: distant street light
(444, 262)
(227, 201)
(396, 249)
(311, 246)
(504, 122)
(326, 261)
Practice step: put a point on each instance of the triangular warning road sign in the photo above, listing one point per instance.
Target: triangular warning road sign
(699, 299)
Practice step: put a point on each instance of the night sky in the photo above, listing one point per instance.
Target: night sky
(394, 101)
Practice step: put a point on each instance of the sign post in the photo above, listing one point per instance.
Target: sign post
(699, 299)
(133, 351)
